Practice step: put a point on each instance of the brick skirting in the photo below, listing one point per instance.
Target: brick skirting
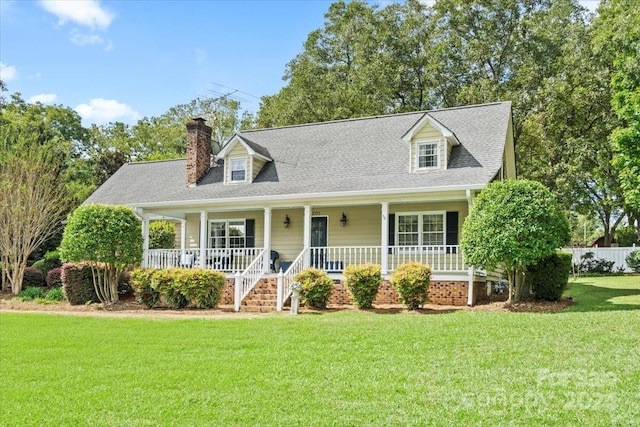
(440, 292)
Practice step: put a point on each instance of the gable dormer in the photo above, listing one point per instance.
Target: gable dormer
(430, 145)
(243, 160)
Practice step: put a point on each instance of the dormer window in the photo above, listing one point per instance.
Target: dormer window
(428, 155)
(238, 169)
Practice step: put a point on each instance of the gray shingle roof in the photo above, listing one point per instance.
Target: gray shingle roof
(365, 154)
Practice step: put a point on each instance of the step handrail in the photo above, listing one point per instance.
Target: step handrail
(285, 279)
(244, 282)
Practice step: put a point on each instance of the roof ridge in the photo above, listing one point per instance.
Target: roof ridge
(380, 116)
(353, 119)
(139, 162)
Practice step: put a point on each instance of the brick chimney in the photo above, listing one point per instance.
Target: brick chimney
(198, 150)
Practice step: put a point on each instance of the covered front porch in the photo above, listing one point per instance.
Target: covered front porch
(280, 241)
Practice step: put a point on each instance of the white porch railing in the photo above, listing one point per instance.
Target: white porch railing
(445, 258)
(226, 260)
(246, 280)
(336, 258)
(285, 279)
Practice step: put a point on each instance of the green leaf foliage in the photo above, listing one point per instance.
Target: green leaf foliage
(548, 277)
(411, 281)
(513, 224)
(633, 261)
(107, 237)
(363, 282)
(162, 235)
(102, 233)
(178, 287)
(316, 287)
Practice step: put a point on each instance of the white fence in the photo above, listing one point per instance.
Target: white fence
(617, 255)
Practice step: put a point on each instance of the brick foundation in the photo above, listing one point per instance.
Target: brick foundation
(440, 292)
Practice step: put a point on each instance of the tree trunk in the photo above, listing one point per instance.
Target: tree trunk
(519, 279)
(511, 279)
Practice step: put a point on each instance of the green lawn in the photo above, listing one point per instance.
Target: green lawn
(577, 367)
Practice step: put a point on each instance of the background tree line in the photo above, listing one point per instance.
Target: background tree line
(573, 79)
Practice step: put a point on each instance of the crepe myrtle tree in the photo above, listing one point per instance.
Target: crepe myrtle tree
(511, 225)
(109, 239)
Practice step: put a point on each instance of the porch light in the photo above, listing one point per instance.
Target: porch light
(286, 222)
(343, 220)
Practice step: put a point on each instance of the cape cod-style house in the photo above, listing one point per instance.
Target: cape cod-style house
(385, 189)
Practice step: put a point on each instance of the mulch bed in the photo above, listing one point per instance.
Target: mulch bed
(129, 307)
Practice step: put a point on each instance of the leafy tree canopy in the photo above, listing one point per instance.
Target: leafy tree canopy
(512, 224)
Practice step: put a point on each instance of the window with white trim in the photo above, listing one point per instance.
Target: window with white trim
(227, 234)
(238, 169)
(421, 229)
(427, 155)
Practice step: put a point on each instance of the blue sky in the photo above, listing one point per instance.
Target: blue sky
(127, 59)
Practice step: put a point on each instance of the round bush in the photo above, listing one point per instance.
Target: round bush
(316, 287)
(363, 282)
(548, 277)
(411, 281)
(162, 235)
(633, 261)
(54, 278)
(33, 277)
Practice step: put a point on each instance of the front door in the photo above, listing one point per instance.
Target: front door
(318, 240)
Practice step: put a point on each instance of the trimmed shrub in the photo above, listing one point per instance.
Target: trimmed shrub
(33, 277)
(202, 287)
(633, 261)
(316, 287)
(30, 293)
(162, 235)
(54, 279)
(178, 287)
(411, 281)
(142, 289)
(164, 281)
(77, 284)
(548, 277)
(363, 282)
(54, 294)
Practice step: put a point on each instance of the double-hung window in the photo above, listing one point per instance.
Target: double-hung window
(427, 155)
(227, 234)
(421, 229)
(238, 169)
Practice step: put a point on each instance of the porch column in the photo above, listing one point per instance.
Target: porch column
(145, 241)
(384, 231)
(306, 240)
(267, 238)
(203, 239)
(470, 197)
(183, 235)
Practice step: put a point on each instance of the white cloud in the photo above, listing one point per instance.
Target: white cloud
(87, 13)
(100, 111)
(43, 98)
(8, 72)
(85, 39)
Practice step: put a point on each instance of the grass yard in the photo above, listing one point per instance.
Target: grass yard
(578, 367)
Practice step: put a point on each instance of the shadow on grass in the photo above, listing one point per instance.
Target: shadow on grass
(592, 297)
